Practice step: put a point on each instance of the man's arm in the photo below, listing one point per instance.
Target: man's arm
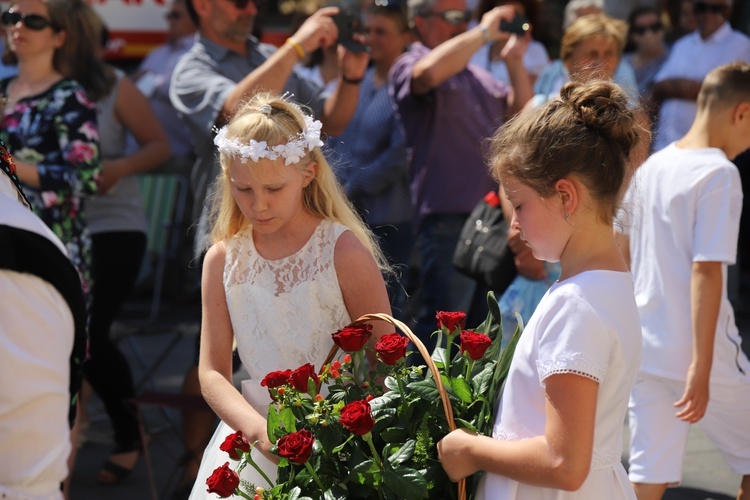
(451, 57)
(318, 30)
(706, 284)
(675, 88)
(342, 103)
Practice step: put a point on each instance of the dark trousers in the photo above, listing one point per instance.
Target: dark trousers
(117, 260)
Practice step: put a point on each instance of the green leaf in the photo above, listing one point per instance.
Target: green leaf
(391, 383)
(403, 454)
(461, 423)
(394, 435)
(340, 447)
(425, 389)
(482, 380)
(288, 420)
(462, 389)
(294, 493)
(405, 482)
(439, 356)
(273, 423)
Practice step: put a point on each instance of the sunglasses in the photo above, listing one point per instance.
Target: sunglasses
(704, 8)
(642, 30)
(31, 21)
(452, 16)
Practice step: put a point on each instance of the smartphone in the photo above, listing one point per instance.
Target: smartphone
(518, 25)
(348, 24)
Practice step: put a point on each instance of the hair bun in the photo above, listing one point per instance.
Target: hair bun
(603, 106)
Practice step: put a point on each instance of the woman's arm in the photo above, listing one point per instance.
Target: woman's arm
(362, 285)
(134, 112)
(215, 363)
(561, 458)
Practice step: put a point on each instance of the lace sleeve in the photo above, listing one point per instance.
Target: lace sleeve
(575, 363)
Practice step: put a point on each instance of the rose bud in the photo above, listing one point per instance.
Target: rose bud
(347, 358)
(335, 374)
(451, 320)
(223, 481)
(233, 442)
(318, 398)
(352, 338)
(476, 344)
(336, 365)
(391, 348)
(297, 446)
(357, 417)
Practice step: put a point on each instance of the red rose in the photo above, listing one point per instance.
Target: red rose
(299, 377)
(233, 442)
(352, 338)
(297, 446)
(357, 417)
(475, 343)
(391, 348)
(451, 320)
(223, 481)
(276, 379)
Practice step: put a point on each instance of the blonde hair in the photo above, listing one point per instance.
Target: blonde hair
(322, 197)
(592, 25)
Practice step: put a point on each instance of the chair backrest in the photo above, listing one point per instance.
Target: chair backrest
(164, 200)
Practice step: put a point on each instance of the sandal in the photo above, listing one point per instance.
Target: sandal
(112, 473)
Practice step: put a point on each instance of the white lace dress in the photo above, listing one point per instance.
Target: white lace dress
(283, 313)
(586, 325)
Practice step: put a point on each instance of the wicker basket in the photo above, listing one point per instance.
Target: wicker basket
(428, 359)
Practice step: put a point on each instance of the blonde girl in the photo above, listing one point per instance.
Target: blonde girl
(290, 264)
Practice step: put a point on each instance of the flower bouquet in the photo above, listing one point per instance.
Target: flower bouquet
(349, 432)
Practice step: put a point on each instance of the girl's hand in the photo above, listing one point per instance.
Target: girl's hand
(452, 452)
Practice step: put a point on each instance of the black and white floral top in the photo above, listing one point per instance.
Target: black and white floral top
(57, 131)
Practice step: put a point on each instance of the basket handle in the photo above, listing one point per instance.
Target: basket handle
(447, 408)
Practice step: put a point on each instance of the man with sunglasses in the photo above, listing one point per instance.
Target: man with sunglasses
(224, 67)
(693, 56)
(448, 107)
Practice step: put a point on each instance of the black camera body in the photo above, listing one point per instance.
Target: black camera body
(348, 24)
(518, 25)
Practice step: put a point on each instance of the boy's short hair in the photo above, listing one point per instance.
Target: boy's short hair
(725, 86)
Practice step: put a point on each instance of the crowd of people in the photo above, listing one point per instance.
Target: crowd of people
(328, 182)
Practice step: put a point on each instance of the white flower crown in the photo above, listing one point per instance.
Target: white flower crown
(294, 150)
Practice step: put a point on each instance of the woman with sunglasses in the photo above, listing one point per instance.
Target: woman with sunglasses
(646, 38)
(49, 121)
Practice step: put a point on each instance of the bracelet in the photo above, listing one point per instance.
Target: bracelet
(296, 45)
(485, 33)
(352, 81)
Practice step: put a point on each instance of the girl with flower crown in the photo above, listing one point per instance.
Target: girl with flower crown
(290, 264)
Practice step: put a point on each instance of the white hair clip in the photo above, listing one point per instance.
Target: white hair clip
(292, 152)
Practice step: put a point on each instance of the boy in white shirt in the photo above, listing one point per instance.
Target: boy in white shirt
(684, 205)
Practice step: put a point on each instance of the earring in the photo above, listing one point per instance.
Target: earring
(567, 216)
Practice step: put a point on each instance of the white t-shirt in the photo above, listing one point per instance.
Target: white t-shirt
(36, 338)
(534, 60)
(683, 206)
(692, 57)
(587, 325)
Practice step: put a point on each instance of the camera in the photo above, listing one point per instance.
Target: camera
(348, 24)
(518, 25)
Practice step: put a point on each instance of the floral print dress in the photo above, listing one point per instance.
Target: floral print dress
(57, 131)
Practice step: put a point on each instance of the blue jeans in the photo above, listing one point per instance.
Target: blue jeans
(443, 288)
